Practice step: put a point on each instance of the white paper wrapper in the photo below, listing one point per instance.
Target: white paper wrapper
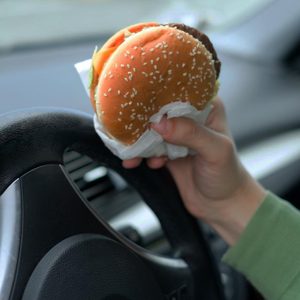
(150, 143)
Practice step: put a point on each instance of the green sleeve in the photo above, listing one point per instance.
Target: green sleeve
(268, 251)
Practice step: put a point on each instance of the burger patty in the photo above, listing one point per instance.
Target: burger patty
(200, 36)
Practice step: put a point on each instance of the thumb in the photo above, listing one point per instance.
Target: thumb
(186, 132)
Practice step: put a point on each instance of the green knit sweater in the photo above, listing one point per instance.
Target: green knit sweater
(268, 252)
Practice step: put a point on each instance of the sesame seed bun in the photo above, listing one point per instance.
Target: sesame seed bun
(146, 66)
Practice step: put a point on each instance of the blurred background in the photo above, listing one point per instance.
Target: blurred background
(258, 42)
(32, 23)
(41, 40)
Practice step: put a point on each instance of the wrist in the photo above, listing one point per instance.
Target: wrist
(231, 216)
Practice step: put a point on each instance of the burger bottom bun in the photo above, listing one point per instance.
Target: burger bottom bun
(151, 144)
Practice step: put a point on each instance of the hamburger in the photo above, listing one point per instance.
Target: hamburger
(146, 66)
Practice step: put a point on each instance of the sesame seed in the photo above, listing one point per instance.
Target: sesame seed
(125, 79)
(157, 58)
(119, 92)
(122, 65)
(128, 66)
(109, 90)
(105, 95)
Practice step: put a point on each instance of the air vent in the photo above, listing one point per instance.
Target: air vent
(103, 188)
(116, 202)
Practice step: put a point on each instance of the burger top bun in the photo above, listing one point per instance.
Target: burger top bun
(146, 66)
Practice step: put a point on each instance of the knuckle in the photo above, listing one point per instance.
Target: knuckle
(192, 131)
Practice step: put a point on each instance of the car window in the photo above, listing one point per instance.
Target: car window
(27, 23)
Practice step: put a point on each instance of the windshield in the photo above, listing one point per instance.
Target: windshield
(30, 23)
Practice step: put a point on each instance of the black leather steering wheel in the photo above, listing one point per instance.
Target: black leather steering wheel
(65, 250)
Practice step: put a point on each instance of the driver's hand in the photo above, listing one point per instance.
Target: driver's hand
(213, 184)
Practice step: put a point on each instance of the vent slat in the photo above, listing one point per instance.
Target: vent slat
(97, 190)
(79, 173)
(78, 163)
(83, 185)
(70, 156)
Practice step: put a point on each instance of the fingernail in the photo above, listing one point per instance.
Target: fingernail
(163, 126)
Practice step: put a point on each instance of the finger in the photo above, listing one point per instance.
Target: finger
(157, 162)
(131, 163)
(186, 132)
(216, 119)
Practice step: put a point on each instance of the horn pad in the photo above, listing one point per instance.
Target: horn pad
(90, 266)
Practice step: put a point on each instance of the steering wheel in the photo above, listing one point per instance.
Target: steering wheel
(59, 248)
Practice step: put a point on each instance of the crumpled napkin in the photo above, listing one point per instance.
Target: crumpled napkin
(150, 143)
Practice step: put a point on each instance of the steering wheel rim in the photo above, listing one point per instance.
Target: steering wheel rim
(38, 137)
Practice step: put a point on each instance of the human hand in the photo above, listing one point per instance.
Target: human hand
(213, 183)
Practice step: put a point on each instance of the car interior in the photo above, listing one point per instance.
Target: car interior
(74, 224)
